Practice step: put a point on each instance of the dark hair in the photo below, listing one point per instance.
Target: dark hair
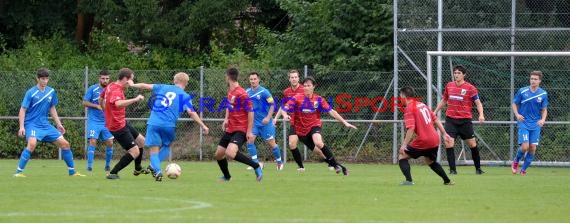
(104, 72)
(232, 73)
(42, 72)
(311, 79)
(460, 68)
(537, 73)
(408, 92)
(125, 72)
(254, 73)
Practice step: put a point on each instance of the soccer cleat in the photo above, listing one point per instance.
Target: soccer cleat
(258, 174)
(301, 169)
(337, 169)
(21, 175)
(344, 170)
(158, 177)
(140, 171)
(251, 168)
(149, 169)
(407, 183)
(112, 176)
(224, 179)
(107, 168)
(89, 169)
(77, 174)
(450, 183)
(515, 167)
(331, 168)
(279, 166)
(523, 172)
(479, 171)
(454, 172)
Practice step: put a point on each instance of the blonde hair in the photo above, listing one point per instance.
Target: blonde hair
(181, 77)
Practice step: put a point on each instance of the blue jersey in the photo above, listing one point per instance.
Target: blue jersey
(94, 116)
(530, 105)
(169, 101)
(37, 104)
(261, 100)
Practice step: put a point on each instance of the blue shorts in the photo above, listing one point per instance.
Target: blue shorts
(266, 132)
(529, 136)
(45, 133)
(159, 135)
(98, 132)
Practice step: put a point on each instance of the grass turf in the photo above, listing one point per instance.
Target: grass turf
(370, 194)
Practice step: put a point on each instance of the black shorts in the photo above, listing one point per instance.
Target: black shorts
(126, 136)
(308, 139)
(236, 137)
(416, 153)
(291, 130)
(459, 127)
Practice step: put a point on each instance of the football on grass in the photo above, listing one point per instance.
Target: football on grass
(173, 171)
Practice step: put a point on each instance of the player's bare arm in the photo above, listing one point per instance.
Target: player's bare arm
(339, 118)
(480, 111)
(543, 113)
(196, 118)
(53, 113)
(127, 102)
(516, 112)
(21, 118)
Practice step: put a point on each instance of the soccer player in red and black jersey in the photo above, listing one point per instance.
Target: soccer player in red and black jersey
(419, 120)
(295, 89)
(237, 125)
(115, 103)
(308, 108)
(460, 95)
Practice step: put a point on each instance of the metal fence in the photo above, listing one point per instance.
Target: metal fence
(372, 142)
(503, 25)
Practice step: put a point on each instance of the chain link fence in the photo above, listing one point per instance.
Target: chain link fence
(503, 25)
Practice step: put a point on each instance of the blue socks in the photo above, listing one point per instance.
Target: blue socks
(90, 156)
(108, 156)
(527, 160)
(68, 158)
(155, 162)
(277, 154)
(519, 155)
(26, 154)
(252, 152)
(164, 153)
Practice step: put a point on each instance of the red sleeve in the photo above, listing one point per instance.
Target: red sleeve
(102, 95)
(114, 96)
(409, 120)
(445, 95)
(473, 91)
(324, 104)
(247, 103)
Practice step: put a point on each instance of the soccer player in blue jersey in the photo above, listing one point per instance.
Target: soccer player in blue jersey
(34, 125)
(166, 104)
(263, 107)
(96, 122)
(529, 106)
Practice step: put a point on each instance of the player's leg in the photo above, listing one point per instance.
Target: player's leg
(139, 140)
(67, 155)
(126, 140)
(154, 141)
(251, 148)
(155, 162)
(403, 158)
(317, 139)
(108, 138)
(232, 151)
(533, 137)
(430, 157)
(523, 135)
(220, 156)
(268, 134)
(93, 135)
(293, 139)
(164, 152)
(451, 130)
(466, 132)
(27, 152)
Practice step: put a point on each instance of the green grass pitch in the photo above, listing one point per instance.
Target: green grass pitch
(370, 194)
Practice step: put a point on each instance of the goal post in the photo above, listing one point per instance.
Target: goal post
(560, 122)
